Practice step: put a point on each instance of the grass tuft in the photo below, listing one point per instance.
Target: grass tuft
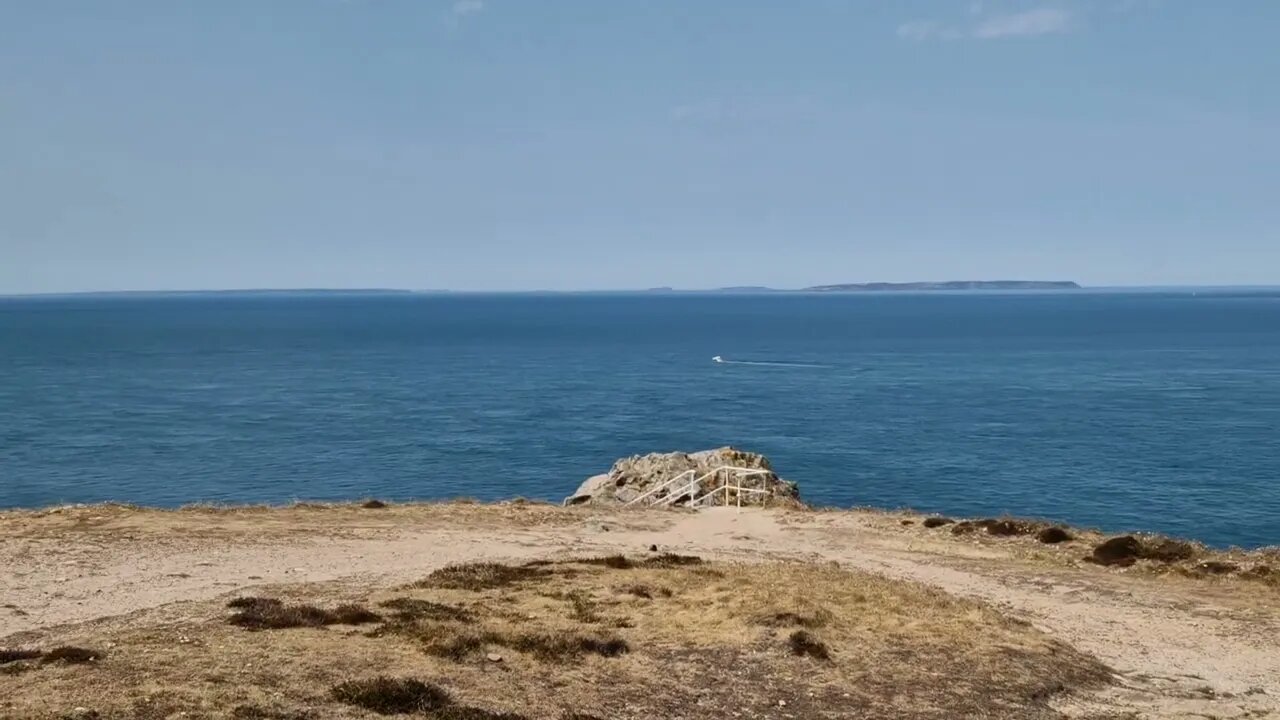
(257, 712)
(670, 560)
(1125, 550)
(648, 592)
(279, 617)
(1122, 551)
(72, 655)
(804, 644)
(352, 614)
(1217, 567)
(562, 648)
(271, 614)
(480, 576)
(466, 712)
(1054, 535)
(254, 603)
(546, 646)
(1007, 527)
(615, 562)
(460, 646)
(790, 619)
(392, 696)
(415, 609)
(1168, 550)
(8, 655)
(584, 609)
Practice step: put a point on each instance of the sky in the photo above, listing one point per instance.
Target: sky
(581, 144)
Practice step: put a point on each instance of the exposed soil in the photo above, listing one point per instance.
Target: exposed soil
(135, 587)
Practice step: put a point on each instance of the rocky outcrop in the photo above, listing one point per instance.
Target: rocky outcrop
(632, 477)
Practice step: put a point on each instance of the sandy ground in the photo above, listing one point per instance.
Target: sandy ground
(1182, 648)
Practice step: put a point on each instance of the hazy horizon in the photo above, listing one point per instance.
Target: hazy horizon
(617, 291)
(490, 145)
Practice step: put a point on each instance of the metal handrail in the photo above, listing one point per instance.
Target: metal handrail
(695, 484)
(663, 486)
(738, 493)
(738, 474)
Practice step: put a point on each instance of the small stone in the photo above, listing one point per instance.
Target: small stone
(782, 703)
(494, 658)
(653, 548)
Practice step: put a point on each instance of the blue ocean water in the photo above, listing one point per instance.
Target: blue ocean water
(1156, 411)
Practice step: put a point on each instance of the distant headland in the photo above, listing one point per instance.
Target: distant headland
(945, 286)
(949, 285)
(249, 292)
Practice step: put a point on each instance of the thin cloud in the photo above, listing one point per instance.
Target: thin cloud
(1042, 21)
(468, 7)
(980, 26)
(920, 30)
(1124, 6)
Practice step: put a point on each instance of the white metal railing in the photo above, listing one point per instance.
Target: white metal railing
(660, 488)
(723, 475)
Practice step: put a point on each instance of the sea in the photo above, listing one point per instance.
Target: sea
(1152, 410)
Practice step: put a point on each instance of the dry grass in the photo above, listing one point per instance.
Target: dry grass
(258, 613)
(1054, 535)
(412, 609)
(122, 522)
(647, 592)
(543, 641)
(804, 644)
(809, 621)
(1144, 552)
(480, 576)
(71, 655)
(391, 696)
(9, 655)
(256, 712)
(622, 562)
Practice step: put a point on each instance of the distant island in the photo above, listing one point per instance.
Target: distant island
(250, 292)
(949, 285)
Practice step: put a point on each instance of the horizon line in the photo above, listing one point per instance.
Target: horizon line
(746, 290)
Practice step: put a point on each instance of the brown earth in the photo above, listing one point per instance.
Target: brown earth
(147, 589)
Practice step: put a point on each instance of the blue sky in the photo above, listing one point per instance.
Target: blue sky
(582, 144)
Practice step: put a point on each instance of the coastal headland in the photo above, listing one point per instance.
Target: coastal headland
(520, 609)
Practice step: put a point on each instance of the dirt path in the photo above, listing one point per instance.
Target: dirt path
(1183, 649)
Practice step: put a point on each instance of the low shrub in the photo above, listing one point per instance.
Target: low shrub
(391, 696)
(804, 644)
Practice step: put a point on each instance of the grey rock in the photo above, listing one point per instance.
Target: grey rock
(632, 477)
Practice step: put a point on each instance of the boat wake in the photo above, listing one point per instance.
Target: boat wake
(768, 363)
